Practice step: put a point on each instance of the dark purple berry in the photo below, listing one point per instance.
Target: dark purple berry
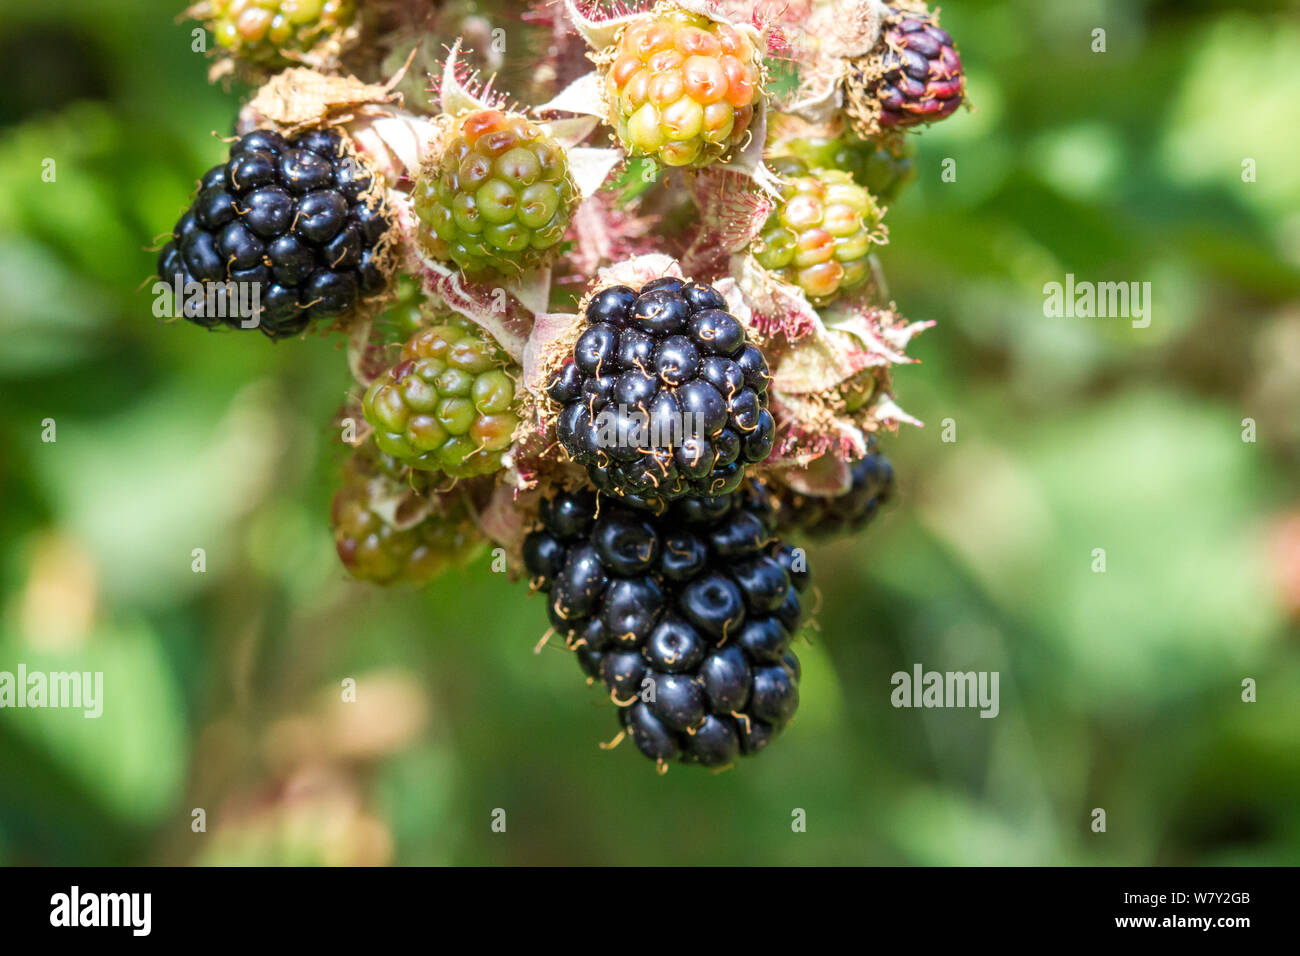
(674, 647)
(594, 351)
(267, 211)
(678, 700)
(660, 313)
(612, 305)
(717, 332)
(321, 215)
(714, 743)
(775, 696)
(702, 297)
(301, 171)
(714, 604)
(649, 734)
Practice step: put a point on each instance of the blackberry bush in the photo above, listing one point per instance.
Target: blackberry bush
(297, 219)
(498, 199)
(664, 396)
(819, 237)
(685, 617)
(682, 88)
(448, 405)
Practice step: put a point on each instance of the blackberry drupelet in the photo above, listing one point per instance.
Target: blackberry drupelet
(685, 617)
(664, 397)
(295, 219)
(823, 516)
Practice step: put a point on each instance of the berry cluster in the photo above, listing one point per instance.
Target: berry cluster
(819, 236)
(683, 88)
(823, 516)
(686, 617)
(499, 198)
(448, 405)
(660, 561)
(293, 219)
(664, 397)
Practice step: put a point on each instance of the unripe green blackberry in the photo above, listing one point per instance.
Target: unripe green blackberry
(271, 32)
(448, 405)
(499, 198)
(682, 88)
(376, 544)
(883, 170)
(819, 236)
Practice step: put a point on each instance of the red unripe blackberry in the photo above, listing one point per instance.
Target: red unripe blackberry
(274, 32)
(820, 236)
(915, 76)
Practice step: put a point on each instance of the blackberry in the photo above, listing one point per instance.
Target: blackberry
(698, 604)
(682, 88)
(275, 32)
(914, 76)
(293, 219)
(824, 516)
(663, 397)
(819, 237)
(390, 526)
(448, 405)
(499, 198)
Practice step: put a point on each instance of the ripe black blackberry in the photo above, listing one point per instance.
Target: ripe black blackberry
(824, 516)
(664, 397)
(296, 217)
(686, 617)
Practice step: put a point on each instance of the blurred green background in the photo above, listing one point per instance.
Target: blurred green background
(1119, 690)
